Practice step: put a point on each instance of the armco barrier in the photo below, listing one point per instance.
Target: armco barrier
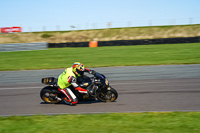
(129, 42)
(72, 44)
(23, 46)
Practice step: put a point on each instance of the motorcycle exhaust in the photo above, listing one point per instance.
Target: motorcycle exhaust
(57, 98)
(53, 96)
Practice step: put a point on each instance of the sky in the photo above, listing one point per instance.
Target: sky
(37, 15)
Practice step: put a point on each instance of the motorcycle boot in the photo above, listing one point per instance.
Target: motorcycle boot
(70, 97)
(81, 90)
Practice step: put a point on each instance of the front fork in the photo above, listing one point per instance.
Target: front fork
(108, 96)
(108, 88)
(104, 92)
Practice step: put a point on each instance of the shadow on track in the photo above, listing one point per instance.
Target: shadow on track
(81, 102)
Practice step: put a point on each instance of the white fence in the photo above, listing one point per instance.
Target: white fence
(110, 24)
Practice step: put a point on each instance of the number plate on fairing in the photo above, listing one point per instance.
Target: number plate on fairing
(49, 80)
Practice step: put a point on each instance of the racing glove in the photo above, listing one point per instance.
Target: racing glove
(90, 71)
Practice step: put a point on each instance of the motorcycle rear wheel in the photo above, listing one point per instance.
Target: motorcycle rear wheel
(48, 96)
(109, 96)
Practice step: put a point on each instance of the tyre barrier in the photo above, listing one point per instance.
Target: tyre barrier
(127, 42)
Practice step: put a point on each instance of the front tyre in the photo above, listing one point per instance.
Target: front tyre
(108, 96)
(49, 96)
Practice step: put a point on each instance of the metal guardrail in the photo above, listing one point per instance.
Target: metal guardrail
(23, 46)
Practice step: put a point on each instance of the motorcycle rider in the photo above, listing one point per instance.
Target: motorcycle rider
(68, 78)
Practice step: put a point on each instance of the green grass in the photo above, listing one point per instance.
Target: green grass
(170, 122)
(102, 56)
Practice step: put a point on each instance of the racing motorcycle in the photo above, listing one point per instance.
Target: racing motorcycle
(98, 89)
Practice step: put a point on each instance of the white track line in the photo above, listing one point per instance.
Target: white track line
(112, 84)
(19, 88)
(83, 113)
(35, 87)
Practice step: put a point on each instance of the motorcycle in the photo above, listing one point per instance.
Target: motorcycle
(98, 89)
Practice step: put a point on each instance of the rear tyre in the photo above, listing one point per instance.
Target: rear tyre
(108, 96)
(49, 96)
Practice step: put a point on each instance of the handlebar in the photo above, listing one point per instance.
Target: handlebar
(98, 75)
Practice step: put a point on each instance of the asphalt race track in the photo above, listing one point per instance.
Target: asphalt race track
(140, 88)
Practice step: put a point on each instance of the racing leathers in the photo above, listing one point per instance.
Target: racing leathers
(66, 79)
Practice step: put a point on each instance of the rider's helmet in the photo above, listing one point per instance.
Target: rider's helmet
(78, 68)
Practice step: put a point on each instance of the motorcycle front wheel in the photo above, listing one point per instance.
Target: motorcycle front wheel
(48, 96)
(108, 96)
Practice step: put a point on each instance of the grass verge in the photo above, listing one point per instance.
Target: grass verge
(170, 122)
(129, 33)
(102, 56)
